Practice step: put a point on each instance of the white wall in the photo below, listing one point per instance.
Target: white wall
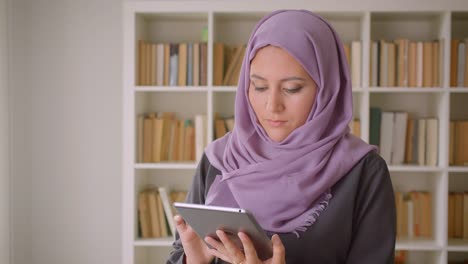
(4, 145)
(66, 145)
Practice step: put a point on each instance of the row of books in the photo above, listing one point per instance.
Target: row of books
(458, 215)
(223, 125)
(459, 63)
(458, 144)
(163, 137)
(156, 212)
(172, 64)
(401, 63)
(414, 214)
(402, 139)
(227, 63)
(405, 63)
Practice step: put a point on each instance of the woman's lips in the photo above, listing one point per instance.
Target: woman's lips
(275, 123)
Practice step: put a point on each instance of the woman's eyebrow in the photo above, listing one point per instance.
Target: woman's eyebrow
(292, 78)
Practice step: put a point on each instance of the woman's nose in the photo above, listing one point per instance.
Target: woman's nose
(275, 102)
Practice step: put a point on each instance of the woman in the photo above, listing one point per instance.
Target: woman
(325, 194)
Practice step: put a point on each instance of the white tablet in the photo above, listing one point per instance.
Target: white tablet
(206, 219)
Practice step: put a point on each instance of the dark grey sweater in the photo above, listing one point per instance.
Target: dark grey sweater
(358, 225)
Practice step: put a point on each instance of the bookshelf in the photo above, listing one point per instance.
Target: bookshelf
(231, 23)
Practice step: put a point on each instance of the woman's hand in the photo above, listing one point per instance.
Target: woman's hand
(196, 251)
(229, 252)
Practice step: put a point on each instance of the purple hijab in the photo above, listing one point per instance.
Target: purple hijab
(287, 184)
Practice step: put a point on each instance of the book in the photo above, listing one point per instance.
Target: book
(412, 64)
(410, 134)
(152, 69)
(160, 64)
(451, 215)
(174, 140)
(461, 143)
(454, 62)
(452, 143)
(167, 63)
(421, 155)
(402, 62)
(144, 215)
(148, 71)
(432, 139)
(356, 63)
(419, 64)
(174, 64)
(383, 69)
(386, 136)
(218, 63)
(465, 74)
(189, 141)
(182, 64)
(164, 232)
(426, 214)
(459, 215)
(399, 137)
(196, 64)
(391, 64)
(435, 64)
(465, 215)
(220, 128)
(148, 138)
(154, 212)
(229, 123)
(141, 62)
(140, 137)
(203, 63)
(461, 64)
(190, 64)
(167, 205)
(167, 119)
(374, 64)
(374, 128)
(347, 51)
(200, 136)
(427, 64)
(181, 144)
(232, 65)
(233, 81)
(158, 126)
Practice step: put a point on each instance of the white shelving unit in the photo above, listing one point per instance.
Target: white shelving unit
(231, 23)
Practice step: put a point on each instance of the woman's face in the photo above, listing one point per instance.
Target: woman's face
(281, 92)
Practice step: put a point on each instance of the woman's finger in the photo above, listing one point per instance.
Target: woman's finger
(180, 224)
(219, 255)
(249, 249)
(231, 249)
(278, 250)
(215, 244)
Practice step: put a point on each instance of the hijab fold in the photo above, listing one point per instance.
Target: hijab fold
(287, 184)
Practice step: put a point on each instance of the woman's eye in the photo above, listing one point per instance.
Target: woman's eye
(292, 90)
(260, 89)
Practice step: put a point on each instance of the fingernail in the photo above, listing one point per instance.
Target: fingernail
(177, 218)
(276, 239)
